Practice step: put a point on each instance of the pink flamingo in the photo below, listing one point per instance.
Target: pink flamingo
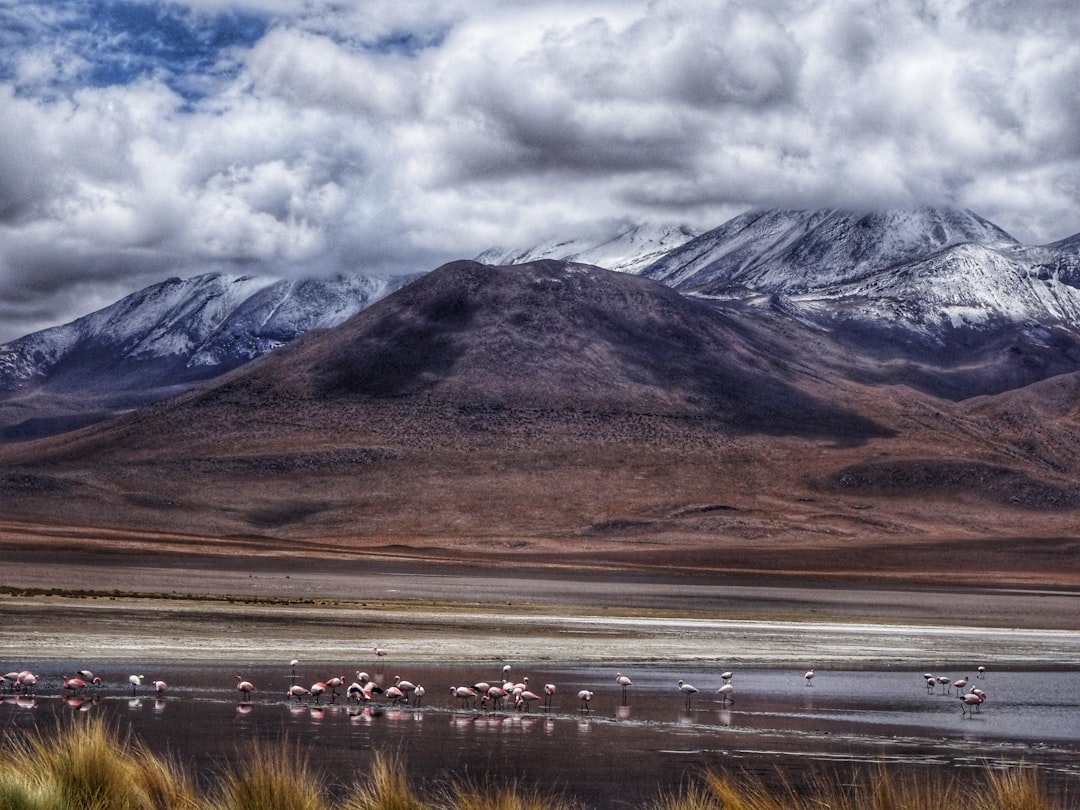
(26, 681)
(334, 683)
(585, 696)
(549, 692)
(75, 685)
(725, 692)
(244, 687)
(465, 694)
(972, 699)
(809, 677)
(317, 689)
(961, 683)
(524, 699)
(160, 687)
(297, 691)
(395, 695)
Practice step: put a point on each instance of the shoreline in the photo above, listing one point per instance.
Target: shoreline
(125, 628)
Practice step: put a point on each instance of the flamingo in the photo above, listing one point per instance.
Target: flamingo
(943, 680)
(86, 675)
(524, 699)
(297, 691)
(395, 695)
(809, 677)
(24, 681)
(982, 695)
(464, 694)
(981, 671)
(549, 691)
(495, 694)
(28, 681)
(74, 685)
(362, 677)
(931, 682)
(334, 683)
(404, 686)
(244, 687)
(688, 690)
(972, 699)
(135, 681)
(160, 687)
(725, 693)
(585, 696)
(379, 652)
(960, 684)
(316, 690)
(726, 676)
(624, 682)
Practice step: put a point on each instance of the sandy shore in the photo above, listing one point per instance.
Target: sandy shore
(86, 607)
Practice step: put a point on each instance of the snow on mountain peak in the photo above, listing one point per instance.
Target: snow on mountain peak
(630, 250)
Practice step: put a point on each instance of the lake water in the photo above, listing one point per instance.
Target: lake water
(618, 753)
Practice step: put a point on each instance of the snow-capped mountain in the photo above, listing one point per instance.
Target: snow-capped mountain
(802, 251)
(629, 251)
(183, 330)
(942, 288)
(164, 338)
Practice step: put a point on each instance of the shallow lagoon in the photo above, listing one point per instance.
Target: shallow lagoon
(613, 755)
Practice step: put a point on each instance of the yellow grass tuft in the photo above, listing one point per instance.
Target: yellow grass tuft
(272, 777)
(386, 787)
(87, 765)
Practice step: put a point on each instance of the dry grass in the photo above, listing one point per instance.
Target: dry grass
(1008, 789)
(86, 765)
(271, 777)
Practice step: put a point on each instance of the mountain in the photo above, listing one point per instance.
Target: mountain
(161, 339)
(559, 412)
(628, 251)
(936, 298)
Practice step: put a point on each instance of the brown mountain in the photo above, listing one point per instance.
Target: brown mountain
(555, 412)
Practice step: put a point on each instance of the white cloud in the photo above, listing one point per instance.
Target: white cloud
(327, 136)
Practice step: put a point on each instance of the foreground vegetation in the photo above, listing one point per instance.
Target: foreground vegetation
(89, 766)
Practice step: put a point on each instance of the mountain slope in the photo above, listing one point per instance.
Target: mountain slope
(936, 298)
(488, 411)
(163, 338)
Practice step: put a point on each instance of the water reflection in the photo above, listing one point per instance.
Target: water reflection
(653, 738)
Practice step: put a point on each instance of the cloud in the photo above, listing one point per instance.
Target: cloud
(141, 139)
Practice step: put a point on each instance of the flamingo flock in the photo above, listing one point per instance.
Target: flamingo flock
(501, 694)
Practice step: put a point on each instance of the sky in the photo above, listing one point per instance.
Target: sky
(143, 140)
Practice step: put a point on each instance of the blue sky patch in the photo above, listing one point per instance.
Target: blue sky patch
(117, 43)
